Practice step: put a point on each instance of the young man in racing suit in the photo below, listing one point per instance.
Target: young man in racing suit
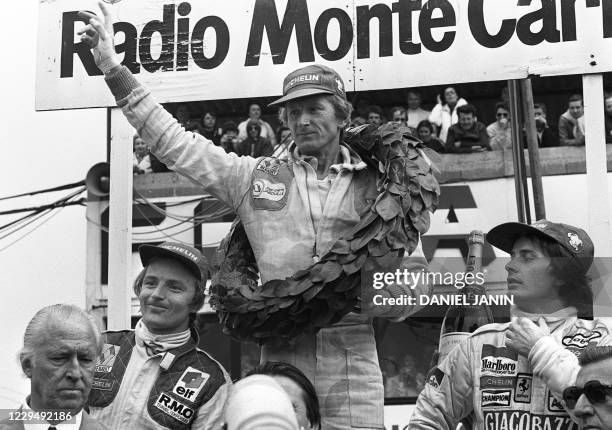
(511, 376)
(293, 211)
(156, 377)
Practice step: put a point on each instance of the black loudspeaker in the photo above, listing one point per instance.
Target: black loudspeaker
(97, 180)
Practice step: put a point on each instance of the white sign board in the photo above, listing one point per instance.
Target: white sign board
(188, 50)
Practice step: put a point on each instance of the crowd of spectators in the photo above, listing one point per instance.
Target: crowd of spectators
(452, 126)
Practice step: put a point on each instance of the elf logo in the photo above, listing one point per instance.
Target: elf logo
(190, 384)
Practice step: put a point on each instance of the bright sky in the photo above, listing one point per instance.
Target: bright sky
(39, 150)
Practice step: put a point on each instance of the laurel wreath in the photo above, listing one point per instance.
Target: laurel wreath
(320, 295)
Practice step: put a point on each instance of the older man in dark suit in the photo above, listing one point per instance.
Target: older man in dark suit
(60, 347)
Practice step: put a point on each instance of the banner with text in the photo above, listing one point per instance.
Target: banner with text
(188, 50)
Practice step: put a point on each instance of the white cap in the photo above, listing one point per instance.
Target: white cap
(258, 402)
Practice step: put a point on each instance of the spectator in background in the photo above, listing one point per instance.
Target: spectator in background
(208, 127)
(444, 115)
(281, 120)
(500, 132)
(608, 116)
(357, 120)
(60, 347)
(267, 132)
(408, 382)
(388, 367)
(361, 106)
(142, 160)
(398, 115)
(415, 114)
(300, 390)
(375, 115)
(255, 145)
(183, 116)
(426, 133)
(571, 123)
(229, 137)
(546, 135)
(284, 139)
(469, 135)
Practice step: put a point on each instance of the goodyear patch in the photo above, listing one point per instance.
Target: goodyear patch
(107, 358)
(495, 398)
(174, 408)
(522, 390)
(190, 384)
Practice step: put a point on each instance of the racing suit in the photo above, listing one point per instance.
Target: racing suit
(180, 389)
(507, 391)
(291, 219)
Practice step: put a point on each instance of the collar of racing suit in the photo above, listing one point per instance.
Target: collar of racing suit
(155, 344)
(553, 320)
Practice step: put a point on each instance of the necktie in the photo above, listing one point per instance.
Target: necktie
(52, 428)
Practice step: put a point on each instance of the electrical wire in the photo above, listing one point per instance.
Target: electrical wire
(223, 210)
(47, 190)
(36, 211)
(37, 208)
(31, 231)
(106, 230)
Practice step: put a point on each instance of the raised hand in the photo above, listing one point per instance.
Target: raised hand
(98, 35)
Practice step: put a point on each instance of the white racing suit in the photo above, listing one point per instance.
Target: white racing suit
(507, 391)
(291, 218)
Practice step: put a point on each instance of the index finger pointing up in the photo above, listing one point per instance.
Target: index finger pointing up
(108, 19)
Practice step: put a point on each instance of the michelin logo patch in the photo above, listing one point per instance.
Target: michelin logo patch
(190, 384)
(580, 340)
(493, 398)
(174, 408)
(107, 358)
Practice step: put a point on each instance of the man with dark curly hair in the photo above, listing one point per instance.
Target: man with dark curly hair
(512, 376)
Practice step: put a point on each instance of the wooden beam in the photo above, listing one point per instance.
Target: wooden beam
(120, 224)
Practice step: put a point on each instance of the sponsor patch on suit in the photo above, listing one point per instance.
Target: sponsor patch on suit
(522, 390)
